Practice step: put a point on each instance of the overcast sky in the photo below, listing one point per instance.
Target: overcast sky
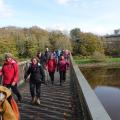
(96, 16)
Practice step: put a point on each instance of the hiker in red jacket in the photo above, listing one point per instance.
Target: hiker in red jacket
(62, 67)
(51, 67)
(9, 73)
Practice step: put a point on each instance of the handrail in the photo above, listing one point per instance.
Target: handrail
(91, 106)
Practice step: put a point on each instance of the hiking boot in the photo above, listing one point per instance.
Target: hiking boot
(33, 100)
(38, 101)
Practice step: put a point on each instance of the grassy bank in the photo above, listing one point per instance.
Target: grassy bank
(91, 61)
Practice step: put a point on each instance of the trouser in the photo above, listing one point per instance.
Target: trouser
(62, 76)
(35, 89)
(14, 90)
(51, 74)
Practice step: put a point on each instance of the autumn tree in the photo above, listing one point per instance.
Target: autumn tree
(89, 43)
(59, 41)
(75, 34)
(85, 43)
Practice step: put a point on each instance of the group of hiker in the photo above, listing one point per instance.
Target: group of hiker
(49, 61)
(55, 61)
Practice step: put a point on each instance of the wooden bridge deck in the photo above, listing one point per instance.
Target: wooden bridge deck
(56, 102)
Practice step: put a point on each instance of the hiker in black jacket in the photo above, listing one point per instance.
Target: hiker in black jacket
(37, 76)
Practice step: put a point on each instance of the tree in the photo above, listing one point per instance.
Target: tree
(75, 34)
(89, 43)
(59, 41)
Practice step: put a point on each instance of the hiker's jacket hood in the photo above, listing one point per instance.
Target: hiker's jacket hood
(6, 109)
(5, 90)
(9, 72)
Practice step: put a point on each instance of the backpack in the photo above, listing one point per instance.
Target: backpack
(41, 70)
(9, 106)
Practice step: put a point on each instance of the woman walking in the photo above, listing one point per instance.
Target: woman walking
(62, 67)
(37, 76)
(10, 74)
(51, 66)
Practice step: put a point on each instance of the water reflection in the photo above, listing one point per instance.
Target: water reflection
(102, 76)
(106, 84)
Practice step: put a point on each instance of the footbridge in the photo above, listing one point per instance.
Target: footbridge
(74, 100)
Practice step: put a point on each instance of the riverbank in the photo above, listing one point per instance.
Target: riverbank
(112, 64)
(89, 62)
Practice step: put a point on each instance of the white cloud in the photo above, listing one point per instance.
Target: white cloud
(66, 2)
(62, 1)
(5, 10)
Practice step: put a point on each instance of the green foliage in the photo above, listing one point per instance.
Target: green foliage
(98, 57)
(90, 43)
(84, 61)
(75, 34)
(1, 59)
(113, 59)
(25, 42)
(86, 43)
(89, 60)
(59, 41)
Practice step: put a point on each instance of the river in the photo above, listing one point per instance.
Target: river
(105, 81)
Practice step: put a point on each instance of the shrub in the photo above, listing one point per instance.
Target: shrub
(98, 57)
(1, 59)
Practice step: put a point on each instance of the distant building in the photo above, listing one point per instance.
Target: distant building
(112, 43)
(117, 31)
(112, 38)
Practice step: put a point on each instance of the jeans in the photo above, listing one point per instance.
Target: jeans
(51, 74)
(35, 89)
(62, 76)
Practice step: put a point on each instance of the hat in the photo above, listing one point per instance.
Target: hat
(8, 55)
